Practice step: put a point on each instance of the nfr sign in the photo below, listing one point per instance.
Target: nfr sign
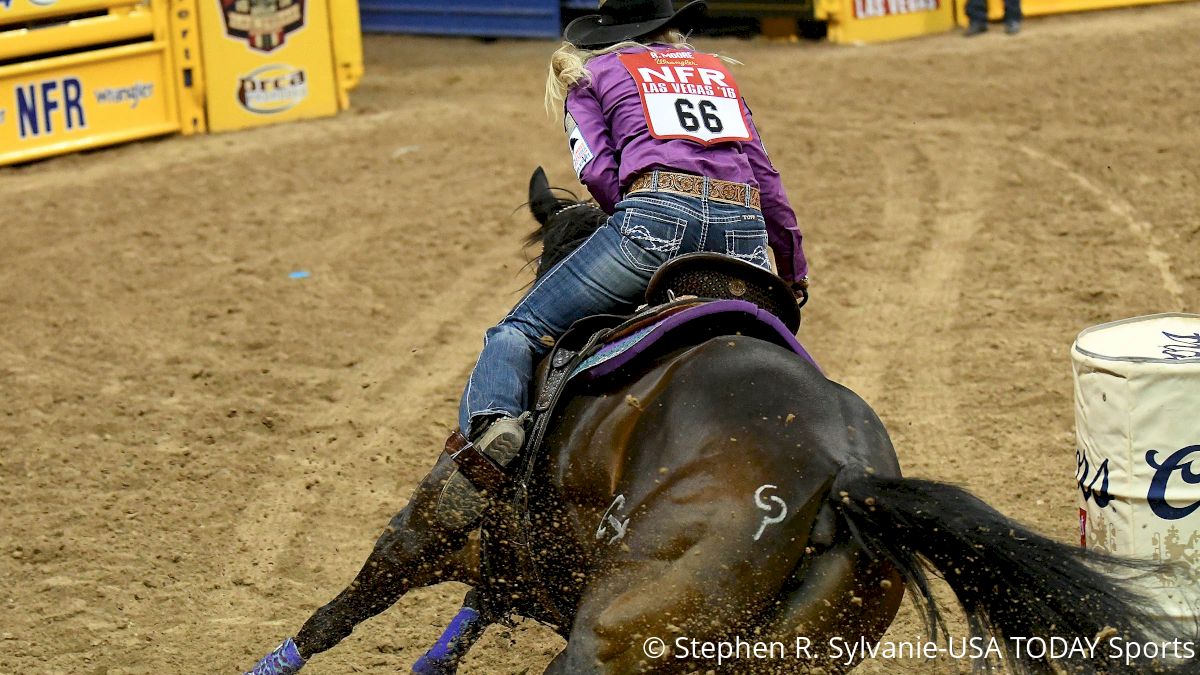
(50, 105)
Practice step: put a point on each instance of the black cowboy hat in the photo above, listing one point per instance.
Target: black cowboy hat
(621, 20)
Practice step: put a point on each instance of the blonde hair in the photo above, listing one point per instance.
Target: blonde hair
(568, 65)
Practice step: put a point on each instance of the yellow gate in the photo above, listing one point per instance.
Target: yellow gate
(880, 20)
(1044, 7)
(77, 74)
(267, 62)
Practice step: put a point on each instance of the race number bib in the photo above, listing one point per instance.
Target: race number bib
(688, 95)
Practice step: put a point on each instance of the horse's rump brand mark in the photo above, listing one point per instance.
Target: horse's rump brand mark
(769, 520)
(1156, 496)
(619, 527)
(1088, 488)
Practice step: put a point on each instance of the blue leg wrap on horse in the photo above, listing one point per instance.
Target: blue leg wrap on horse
(285, 660)
(442, 658)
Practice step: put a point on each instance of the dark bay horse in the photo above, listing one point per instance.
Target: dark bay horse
(729, 492)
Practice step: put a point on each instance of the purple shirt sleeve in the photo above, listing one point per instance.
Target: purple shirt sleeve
(782, 232)
(599, 170)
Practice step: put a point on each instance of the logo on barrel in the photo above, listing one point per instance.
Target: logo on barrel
(1180, 347)
(1092, 486)
(263, 24)
(272, 89)
(1180, 461)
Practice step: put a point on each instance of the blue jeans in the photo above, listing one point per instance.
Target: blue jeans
(607, 274)
(977, 11)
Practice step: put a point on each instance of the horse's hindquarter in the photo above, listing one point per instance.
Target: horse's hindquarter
(693, 488)
(743, 410)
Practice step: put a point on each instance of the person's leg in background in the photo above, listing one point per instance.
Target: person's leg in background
(1012, 16)
(977, 16)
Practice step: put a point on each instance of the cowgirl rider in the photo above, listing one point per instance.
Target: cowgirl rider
(662, 140)
(660, 136)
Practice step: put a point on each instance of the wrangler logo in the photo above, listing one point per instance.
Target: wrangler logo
(131, 95)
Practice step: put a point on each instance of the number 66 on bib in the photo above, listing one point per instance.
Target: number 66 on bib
(688, 95)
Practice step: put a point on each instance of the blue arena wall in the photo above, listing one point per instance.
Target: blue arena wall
(479, 18)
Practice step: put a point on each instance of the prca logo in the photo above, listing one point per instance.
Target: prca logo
(272, 89)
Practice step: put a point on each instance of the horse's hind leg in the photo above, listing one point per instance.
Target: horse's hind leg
(668, 585)
(415, 550)
(842, 594)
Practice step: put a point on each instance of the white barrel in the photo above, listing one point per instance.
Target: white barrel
(1137, 426)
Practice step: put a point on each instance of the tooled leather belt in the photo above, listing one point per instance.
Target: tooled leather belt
(690, 184)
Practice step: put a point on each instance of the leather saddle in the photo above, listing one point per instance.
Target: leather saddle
(679, 286)
(716, 276)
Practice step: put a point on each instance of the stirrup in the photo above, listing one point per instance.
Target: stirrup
(475, 466)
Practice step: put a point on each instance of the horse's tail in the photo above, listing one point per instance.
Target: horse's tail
(1012, 583)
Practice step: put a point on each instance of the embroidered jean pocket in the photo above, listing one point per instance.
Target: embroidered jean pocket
(748, 245)
(648, 239)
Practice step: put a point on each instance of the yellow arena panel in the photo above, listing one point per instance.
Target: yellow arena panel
(70, 103)
(266, 62)
(1046, 7)
(852, 21)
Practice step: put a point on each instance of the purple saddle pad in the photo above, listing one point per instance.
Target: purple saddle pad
(618, 353)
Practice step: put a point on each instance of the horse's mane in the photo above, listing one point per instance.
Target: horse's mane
(563, 224)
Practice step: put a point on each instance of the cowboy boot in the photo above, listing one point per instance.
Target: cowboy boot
(461, 503)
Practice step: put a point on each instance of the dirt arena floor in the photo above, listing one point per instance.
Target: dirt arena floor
(197, 450)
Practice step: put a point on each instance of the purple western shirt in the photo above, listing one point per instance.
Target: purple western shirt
(608, 111)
